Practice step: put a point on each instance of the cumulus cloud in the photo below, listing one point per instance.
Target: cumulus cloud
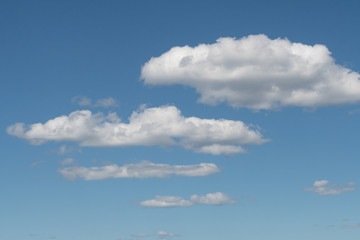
(256, 72)
(144, 169)
(324, 188)
(164, 126)
(217, 198)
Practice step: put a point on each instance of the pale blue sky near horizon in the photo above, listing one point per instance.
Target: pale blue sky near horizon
(53, 53)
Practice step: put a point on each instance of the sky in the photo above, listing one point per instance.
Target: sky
(170, 120)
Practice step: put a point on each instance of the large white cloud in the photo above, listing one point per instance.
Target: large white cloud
(151, 126)
(144, 169)
(217, 198)
(323, 188)
(256, 72)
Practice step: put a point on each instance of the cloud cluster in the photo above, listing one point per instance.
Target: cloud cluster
(256, 72)
(217, 198)
(143, 169)
(323, 188)
(164, 126)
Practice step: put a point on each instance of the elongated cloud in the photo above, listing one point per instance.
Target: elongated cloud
(166, 201)
(217, 198)
(323, 188)
(256, 72)
(144, 169)
(163, 126)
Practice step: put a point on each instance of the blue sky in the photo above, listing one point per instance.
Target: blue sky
(149, 127)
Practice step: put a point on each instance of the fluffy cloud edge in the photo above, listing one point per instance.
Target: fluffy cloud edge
(256, 72)
(162, 126)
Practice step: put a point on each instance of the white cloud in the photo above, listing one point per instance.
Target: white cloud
(144, 169)
(163, 126)
(166, 201)
(323, 188)
(106, 102)
(217, 198)
(256, 72)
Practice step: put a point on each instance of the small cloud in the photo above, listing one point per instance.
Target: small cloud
(35, 164)
(217, 198)
(141, 235)
(165, 235)
(352, 226)
(351, 183)
(106, 102)
(63, 150)
(166, 201)
(323, 188)
(81, 101)
(67, 161)
(355, 111)
(87, 102)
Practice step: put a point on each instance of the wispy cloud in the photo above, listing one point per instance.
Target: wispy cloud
(257, 72)
(217, 198)
(324, 188)
(164, 126)
(87, 102)
(106, 102)
(143, 169)
(35, 164)
(161, 234)
(67, 161)
(352, 226)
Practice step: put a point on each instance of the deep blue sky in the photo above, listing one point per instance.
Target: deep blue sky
(53, 51)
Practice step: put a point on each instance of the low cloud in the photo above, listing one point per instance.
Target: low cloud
(257, 73)
(324, 188)
(217, 198)
(143, 169)
(164, 126)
